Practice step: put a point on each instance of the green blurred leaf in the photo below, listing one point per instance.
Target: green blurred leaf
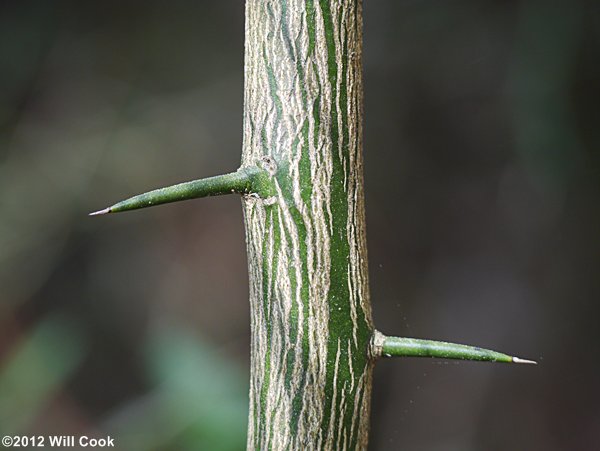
(37, 369)
(200, 400)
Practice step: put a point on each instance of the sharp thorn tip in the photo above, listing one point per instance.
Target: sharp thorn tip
(100, 212)
(518, 360)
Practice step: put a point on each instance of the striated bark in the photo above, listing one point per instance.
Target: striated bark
(311, 317)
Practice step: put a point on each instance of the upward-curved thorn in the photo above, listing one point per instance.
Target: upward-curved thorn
(236, 182)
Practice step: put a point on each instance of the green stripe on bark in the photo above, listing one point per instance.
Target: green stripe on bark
(339, 297)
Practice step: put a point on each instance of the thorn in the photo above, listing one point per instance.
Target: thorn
(100, 212)
(518, 360)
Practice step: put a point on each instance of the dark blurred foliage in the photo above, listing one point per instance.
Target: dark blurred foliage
(482, 130)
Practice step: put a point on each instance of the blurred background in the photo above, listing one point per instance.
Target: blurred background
(482, 185)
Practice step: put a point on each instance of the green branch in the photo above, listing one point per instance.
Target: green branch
(243, 181)
(413, 347)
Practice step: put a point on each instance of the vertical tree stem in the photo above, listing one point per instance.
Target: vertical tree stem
(311, 368)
